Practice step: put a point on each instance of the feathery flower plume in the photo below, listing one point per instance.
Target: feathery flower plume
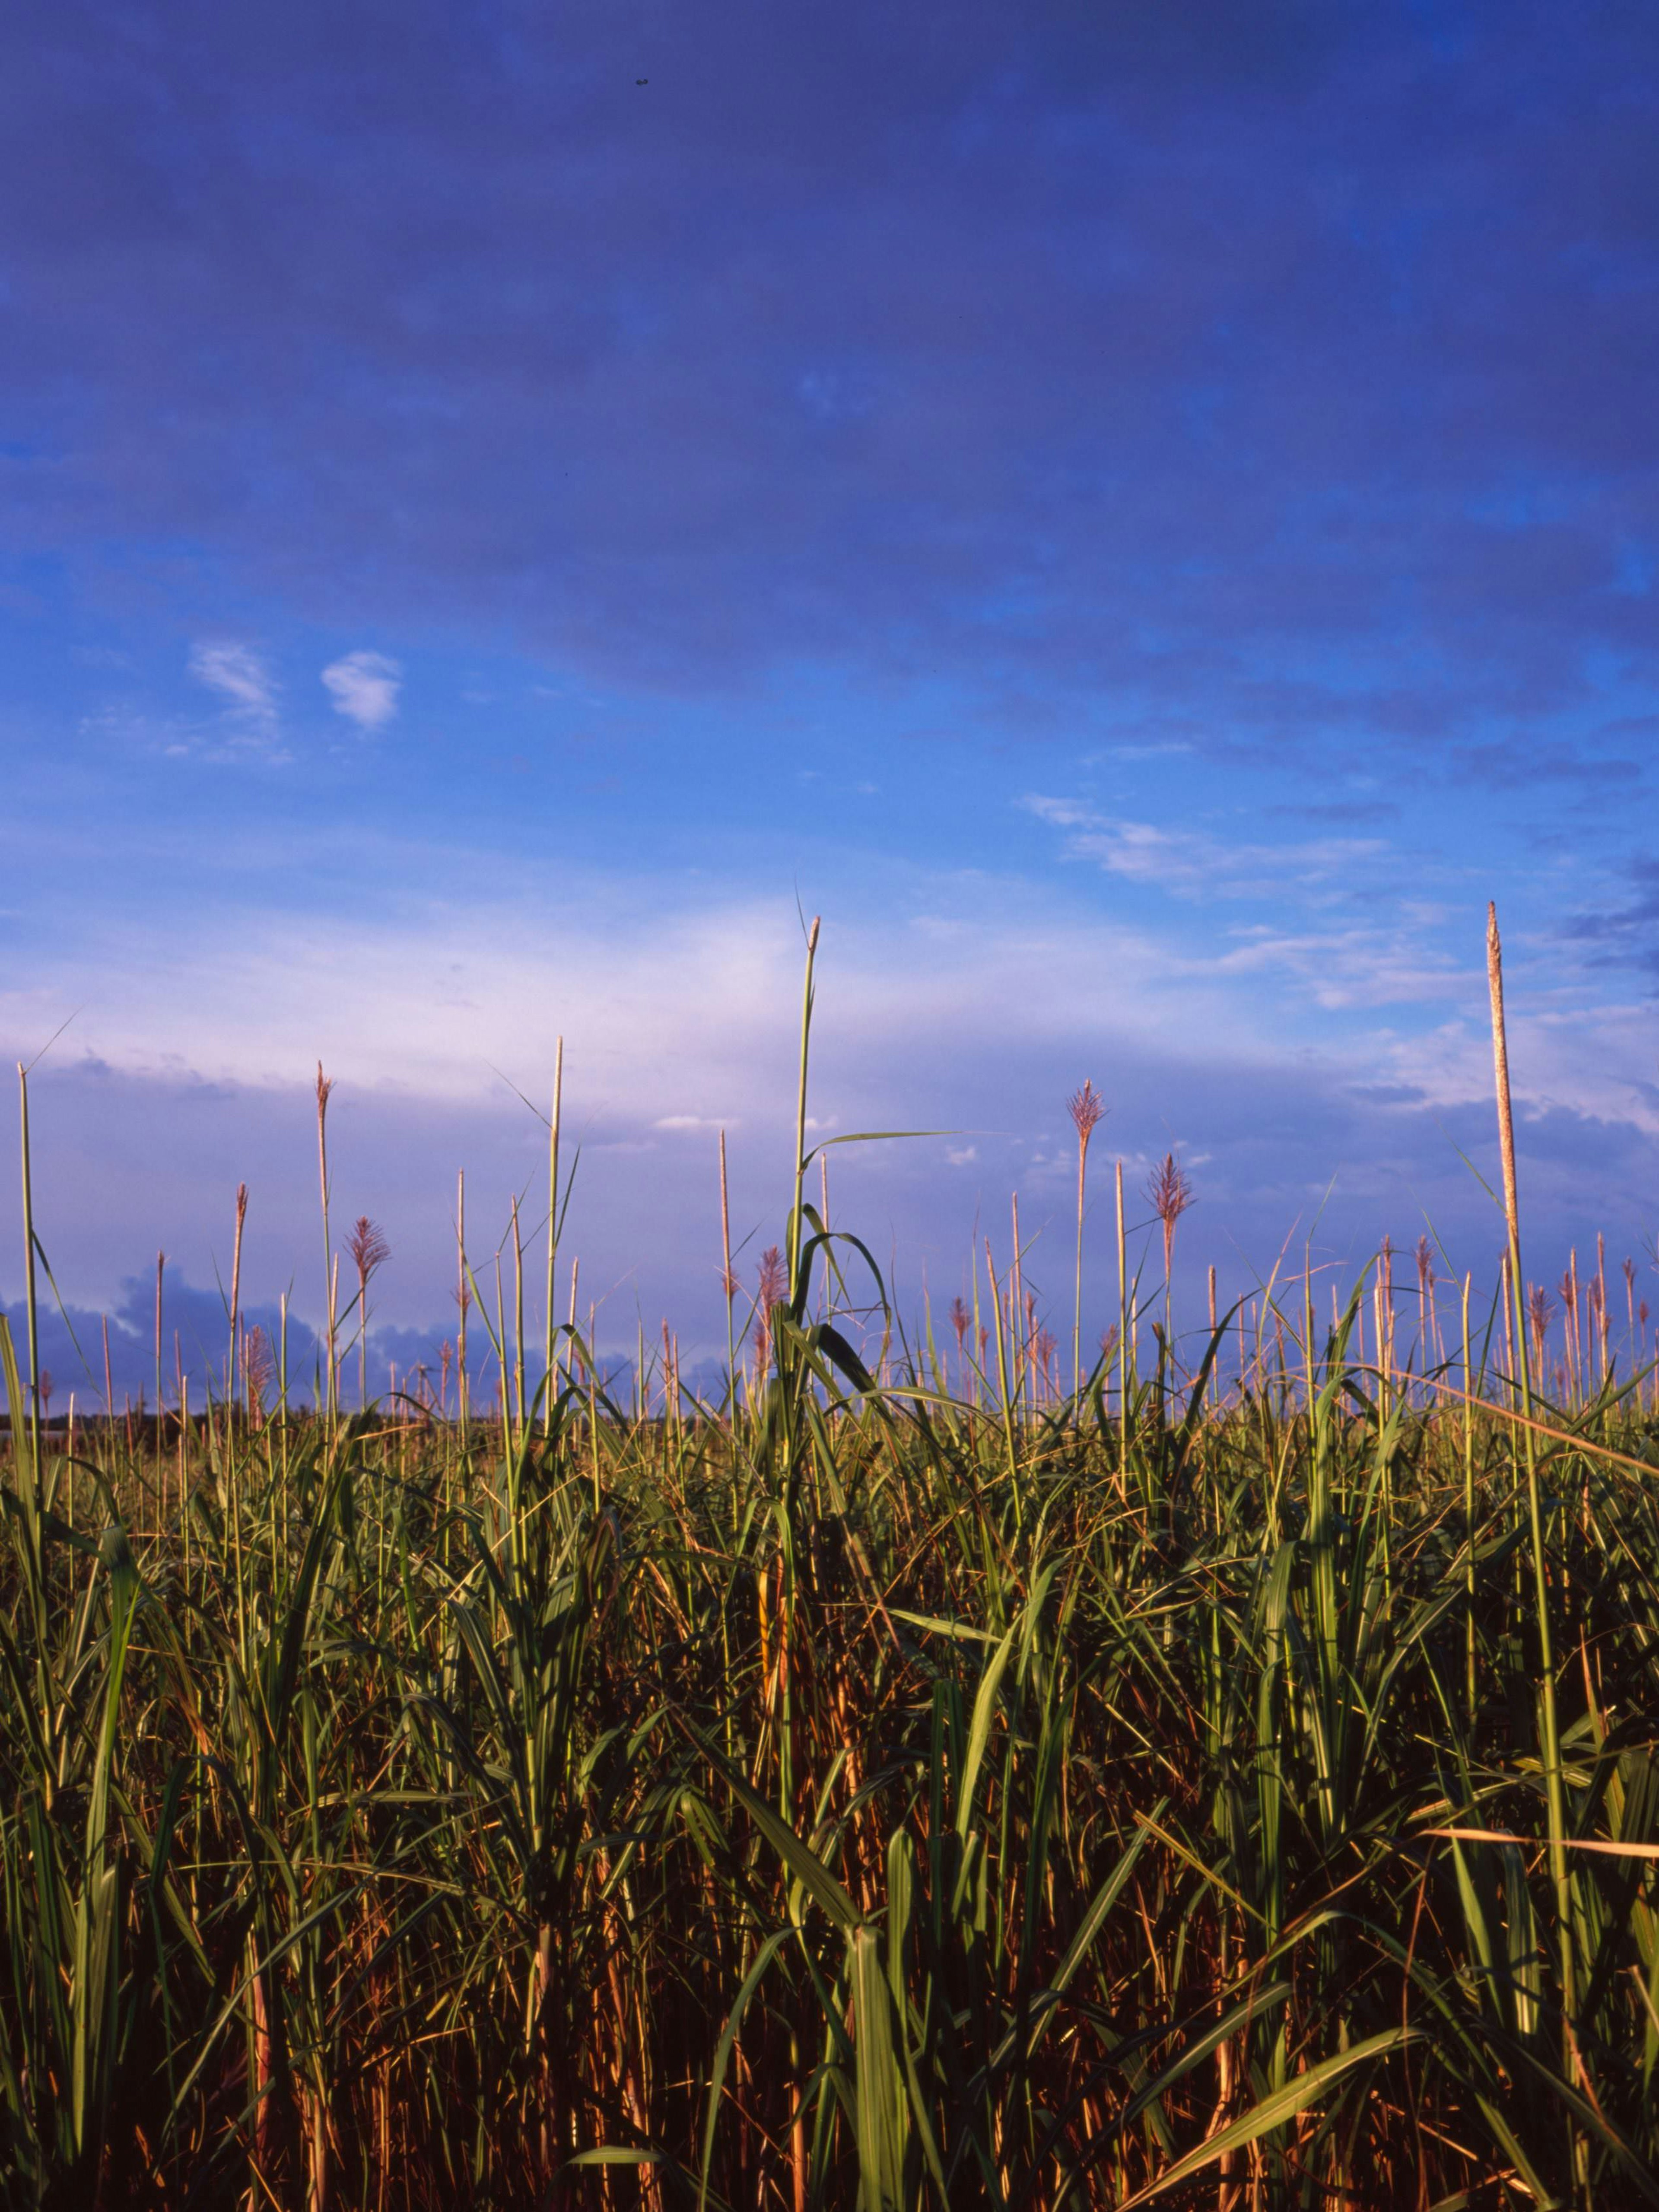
(369, 1250)
(1087, 1109)
(1170, 1192)
(259, 1371)
(774, 1284)
(1540, 1312)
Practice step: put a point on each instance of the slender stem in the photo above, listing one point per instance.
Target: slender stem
(1076, 1303)
(324, 1087)
(333, 1332)
(553, 1210)
(518, 1317)
(31, 1310)
(1017, 1312)
(1004, 1390)
(463, 1296)
(729, 1284)
(503, 1385)
(235, 1310)
(161, 1267)
(1555, 1788)
(1468, 1496)
(1122, 1334)
(795, 1219)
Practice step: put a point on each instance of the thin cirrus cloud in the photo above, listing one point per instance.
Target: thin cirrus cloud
(240, 676)
(364, 687)
(1197, 864)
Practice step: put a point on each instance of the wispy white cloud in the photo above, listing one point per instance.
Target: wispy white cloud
(1322, 933)
(239, 675)
(364, 687)
(1194, 863)
(245, 727)
(1397, 962)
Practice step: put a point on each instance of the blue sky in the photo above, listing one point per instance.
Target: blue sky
(1143, 517)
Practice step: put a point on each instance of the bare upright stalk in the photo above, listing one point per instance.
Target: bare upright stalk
(235, 1308)
(1008, 1436)
(1122, 1334)
(553, 1209)
(518, 1312)
(333, 1334)
(462, 1299)
(1017, 1311)
(32, 1311)
(1554, 1784)
(1469, 1495)
(795, 1220)
(324, 1086)
(160, 1269)
(729, 1284)
(505, 1384)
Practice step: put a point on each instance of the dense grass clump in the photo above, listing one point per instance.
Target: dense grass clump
(908, 1787)
(855, 1797)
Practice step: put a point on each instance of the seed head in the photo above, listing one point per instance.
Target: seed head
(258, 1365)
(773, 1282)
(1170, 1192)
(774, 1276)
(1087, 1109)
(368, 1247)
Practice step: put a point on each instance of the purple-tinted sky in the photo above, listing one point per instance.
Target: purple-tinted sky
(1145, 516)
